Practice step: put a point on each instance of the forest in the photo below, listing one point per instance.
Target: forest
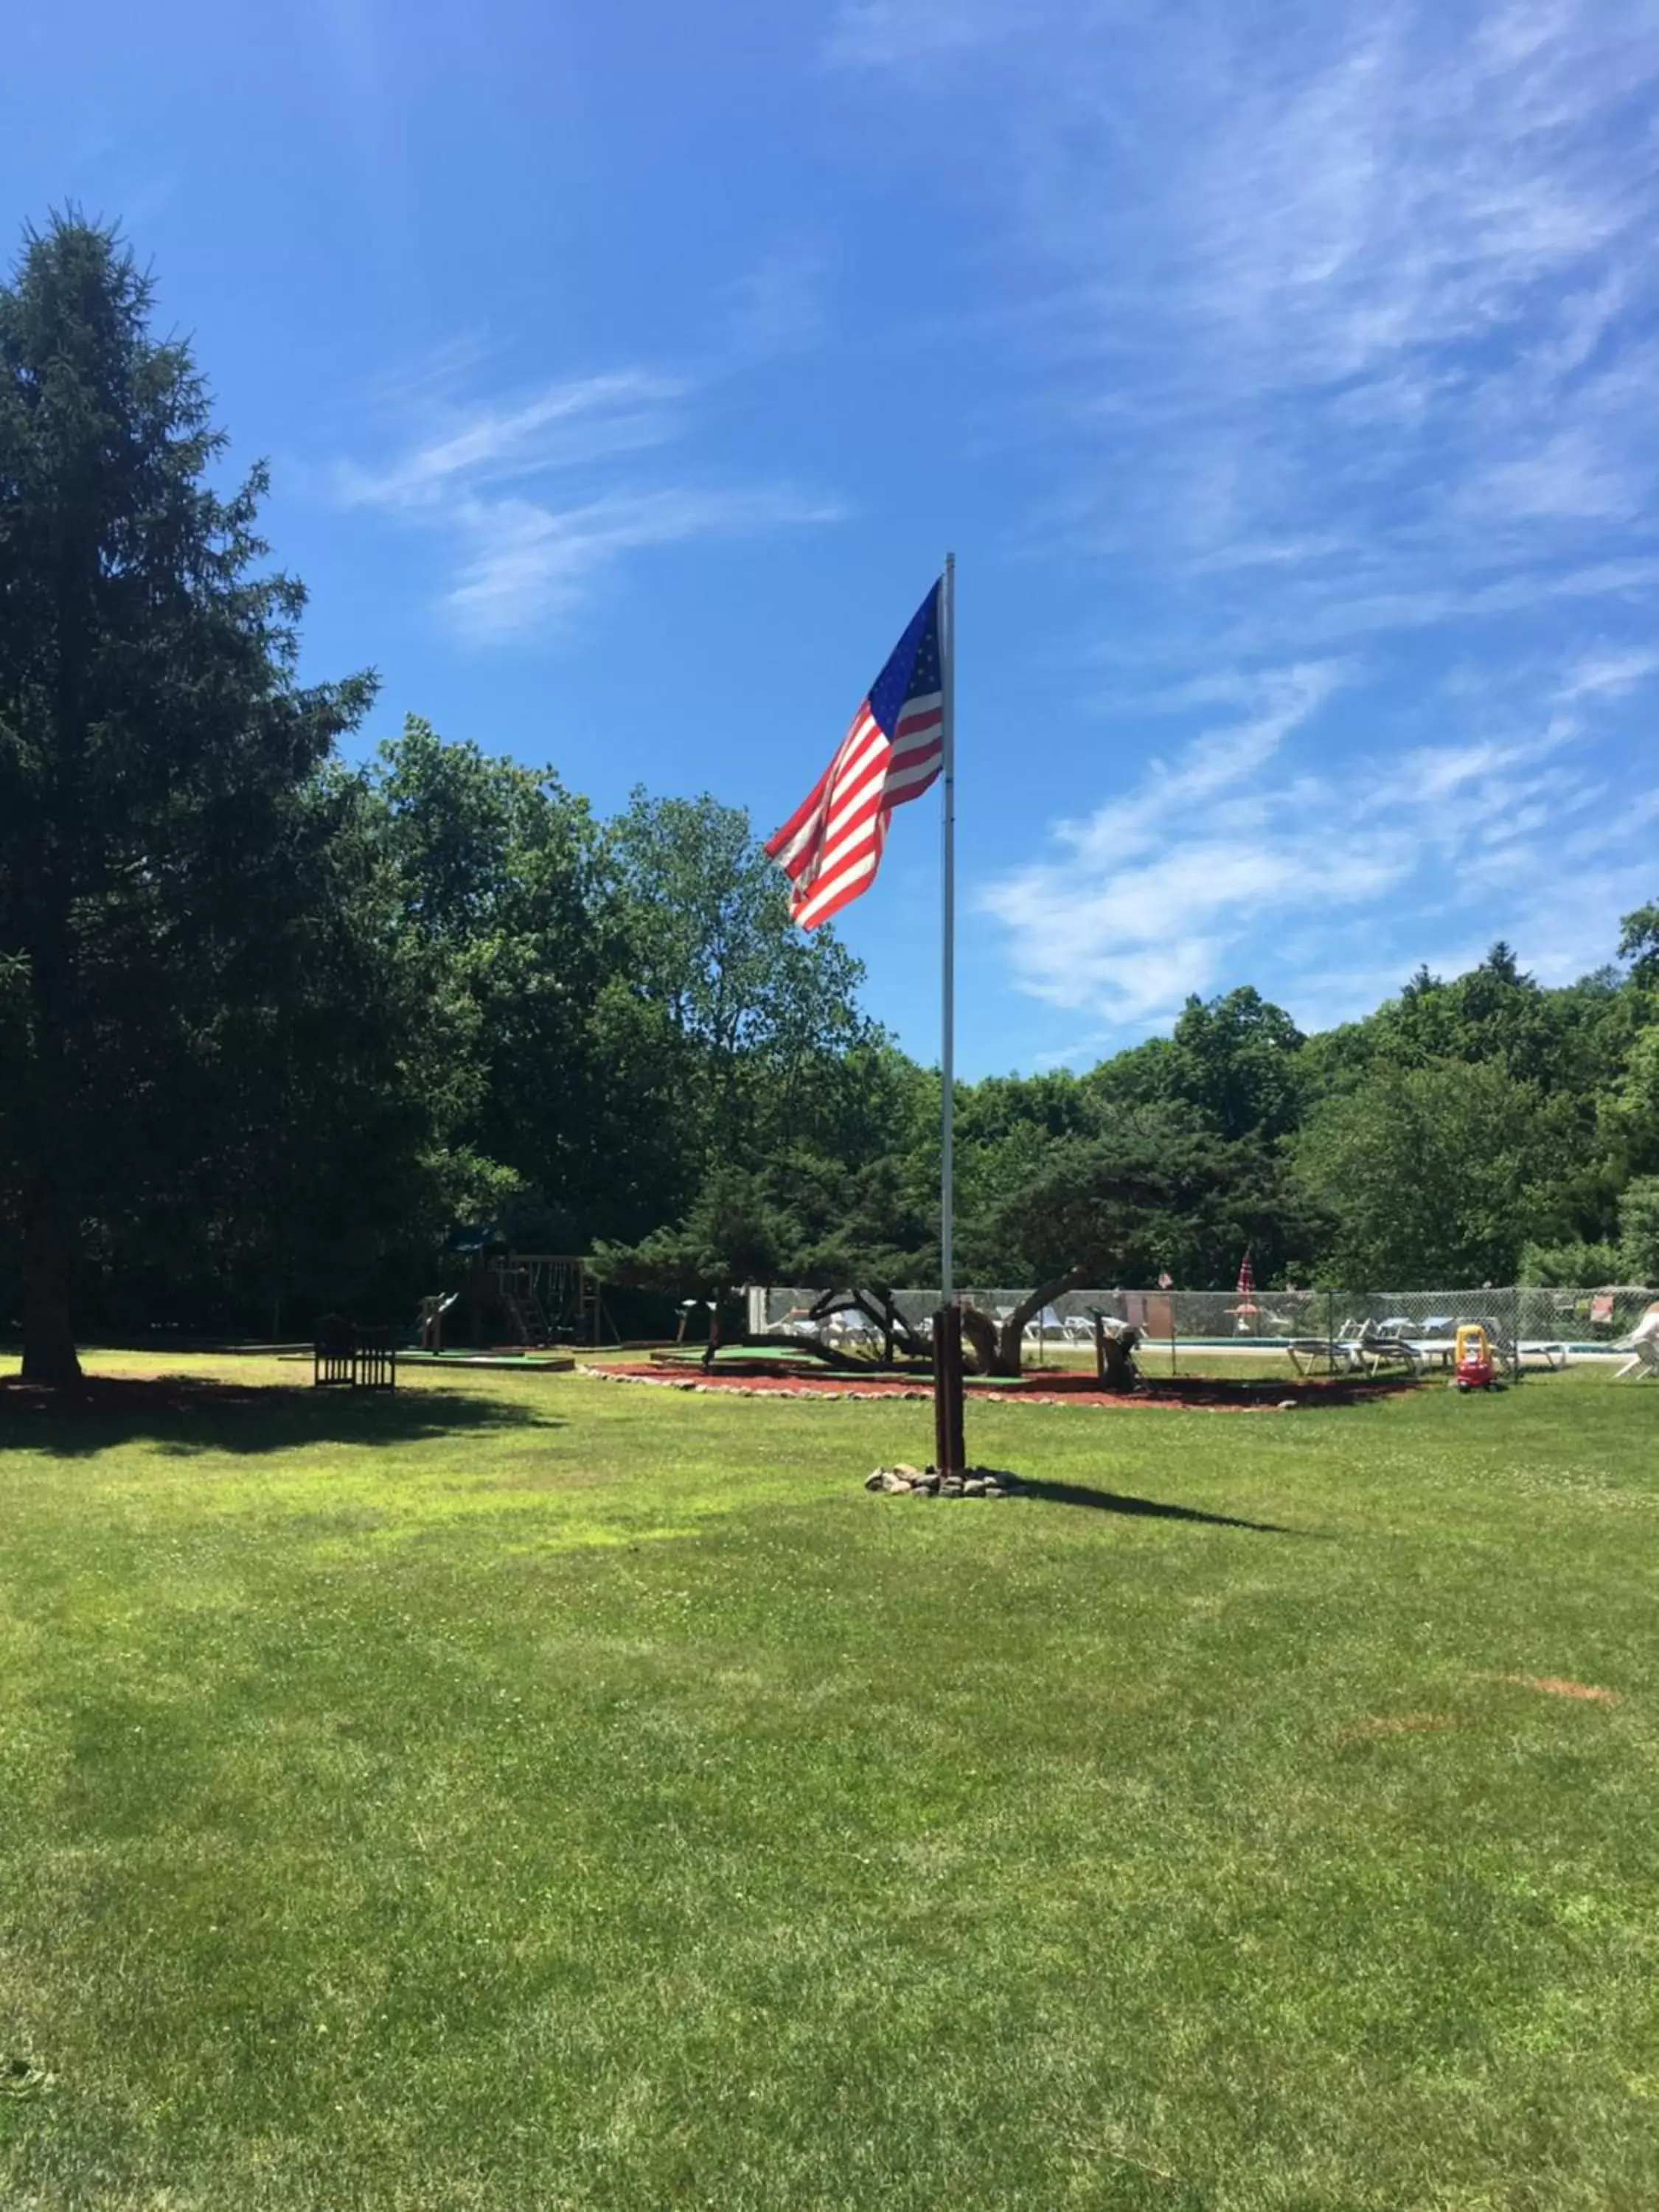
(279, 1024)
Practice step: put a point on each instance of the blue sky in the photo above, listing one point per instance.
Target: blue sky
(1282, 375)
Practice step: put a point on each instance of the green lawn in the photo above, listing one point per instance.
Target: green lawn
(530, 1792)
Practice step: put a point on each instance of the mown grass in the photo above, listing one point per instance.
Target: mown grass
(530, 1792)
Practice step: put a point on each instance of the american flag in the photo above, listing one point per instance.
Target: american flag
(1246, 1278)
(831, 845)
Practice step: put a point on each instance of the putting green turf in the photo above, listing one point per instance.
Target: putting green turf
(530, 1792)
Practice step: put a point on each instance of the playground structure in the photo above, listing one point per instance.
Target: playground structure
(528, 1300)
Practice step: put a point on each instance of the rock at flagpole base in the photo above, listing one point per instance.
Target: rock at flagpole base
(902, 1481)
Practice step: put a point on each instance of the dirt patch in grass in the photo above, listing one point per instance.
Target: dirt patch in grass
(1375, 1724)
(769, 1378)
(1557, 1685)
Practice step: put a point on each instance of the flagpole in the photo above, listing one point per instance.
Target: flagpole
(947, 1007)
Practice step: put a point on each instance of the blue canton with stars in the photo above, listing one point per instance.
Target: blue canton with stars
(912, 669)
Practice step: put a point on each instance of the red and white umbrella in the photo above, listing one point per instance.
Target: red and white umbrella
(1247, 1308)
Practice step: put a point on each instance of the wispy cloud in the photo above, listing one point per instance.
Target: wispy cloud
(1217, 763)
(528, 565)
(1347, 306)
(529, 493)
(1608, 675)
(1333, 324)
(887, 34)
(562, 426)
(1260, 845)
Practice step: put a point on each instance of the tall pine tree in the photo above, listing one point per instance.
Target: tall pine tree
(157, 755)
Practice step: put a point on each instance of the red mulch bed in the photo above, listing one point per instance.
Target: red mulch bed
(1042, 1387)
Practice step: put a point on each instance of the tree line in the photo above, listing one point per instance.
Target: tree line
(274, 1027)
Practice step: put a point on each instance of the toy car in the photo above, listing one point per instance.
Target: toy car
(1472, 1360)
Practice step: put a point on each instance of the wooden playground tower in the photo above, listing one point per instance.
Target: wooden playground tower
(543, 1298)
(551, 1297)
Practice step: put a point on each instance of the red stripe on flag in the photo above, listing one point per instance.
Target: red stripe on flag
(831, 845)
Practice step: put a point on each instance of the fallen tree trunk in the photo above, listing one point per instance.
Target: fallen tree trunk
(878, 1306)
(813, 1347)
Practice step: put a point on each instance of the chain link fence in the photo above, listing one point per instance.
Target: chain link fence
(1528, 1327)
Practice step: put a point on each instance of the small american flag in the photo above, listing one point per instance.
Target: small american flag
(831, 845)
(1246, 1278)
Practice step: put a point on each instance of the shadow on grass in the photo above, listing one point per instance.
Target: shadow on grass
(185, 1414)
(1150, 1508)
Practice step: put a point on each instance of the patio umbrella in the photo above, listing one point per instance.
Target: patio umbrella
(1246, 1304)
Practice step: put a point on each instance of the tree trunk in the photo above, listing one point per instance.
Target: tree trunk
(979, 1334)
(811, 1347)
(50, 1214)
(48, 1266)
(998, 1346)
(1114, 1357)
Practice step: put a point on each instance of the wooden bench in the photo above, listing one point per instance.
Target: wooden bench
(344, 1357)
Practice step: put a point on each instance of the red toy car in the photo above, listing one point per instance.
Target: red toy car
(1472, 1364)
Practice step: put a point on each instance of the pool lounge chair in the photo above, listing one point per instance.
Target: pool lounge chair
(1360, 1348)
(1643, 1346)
